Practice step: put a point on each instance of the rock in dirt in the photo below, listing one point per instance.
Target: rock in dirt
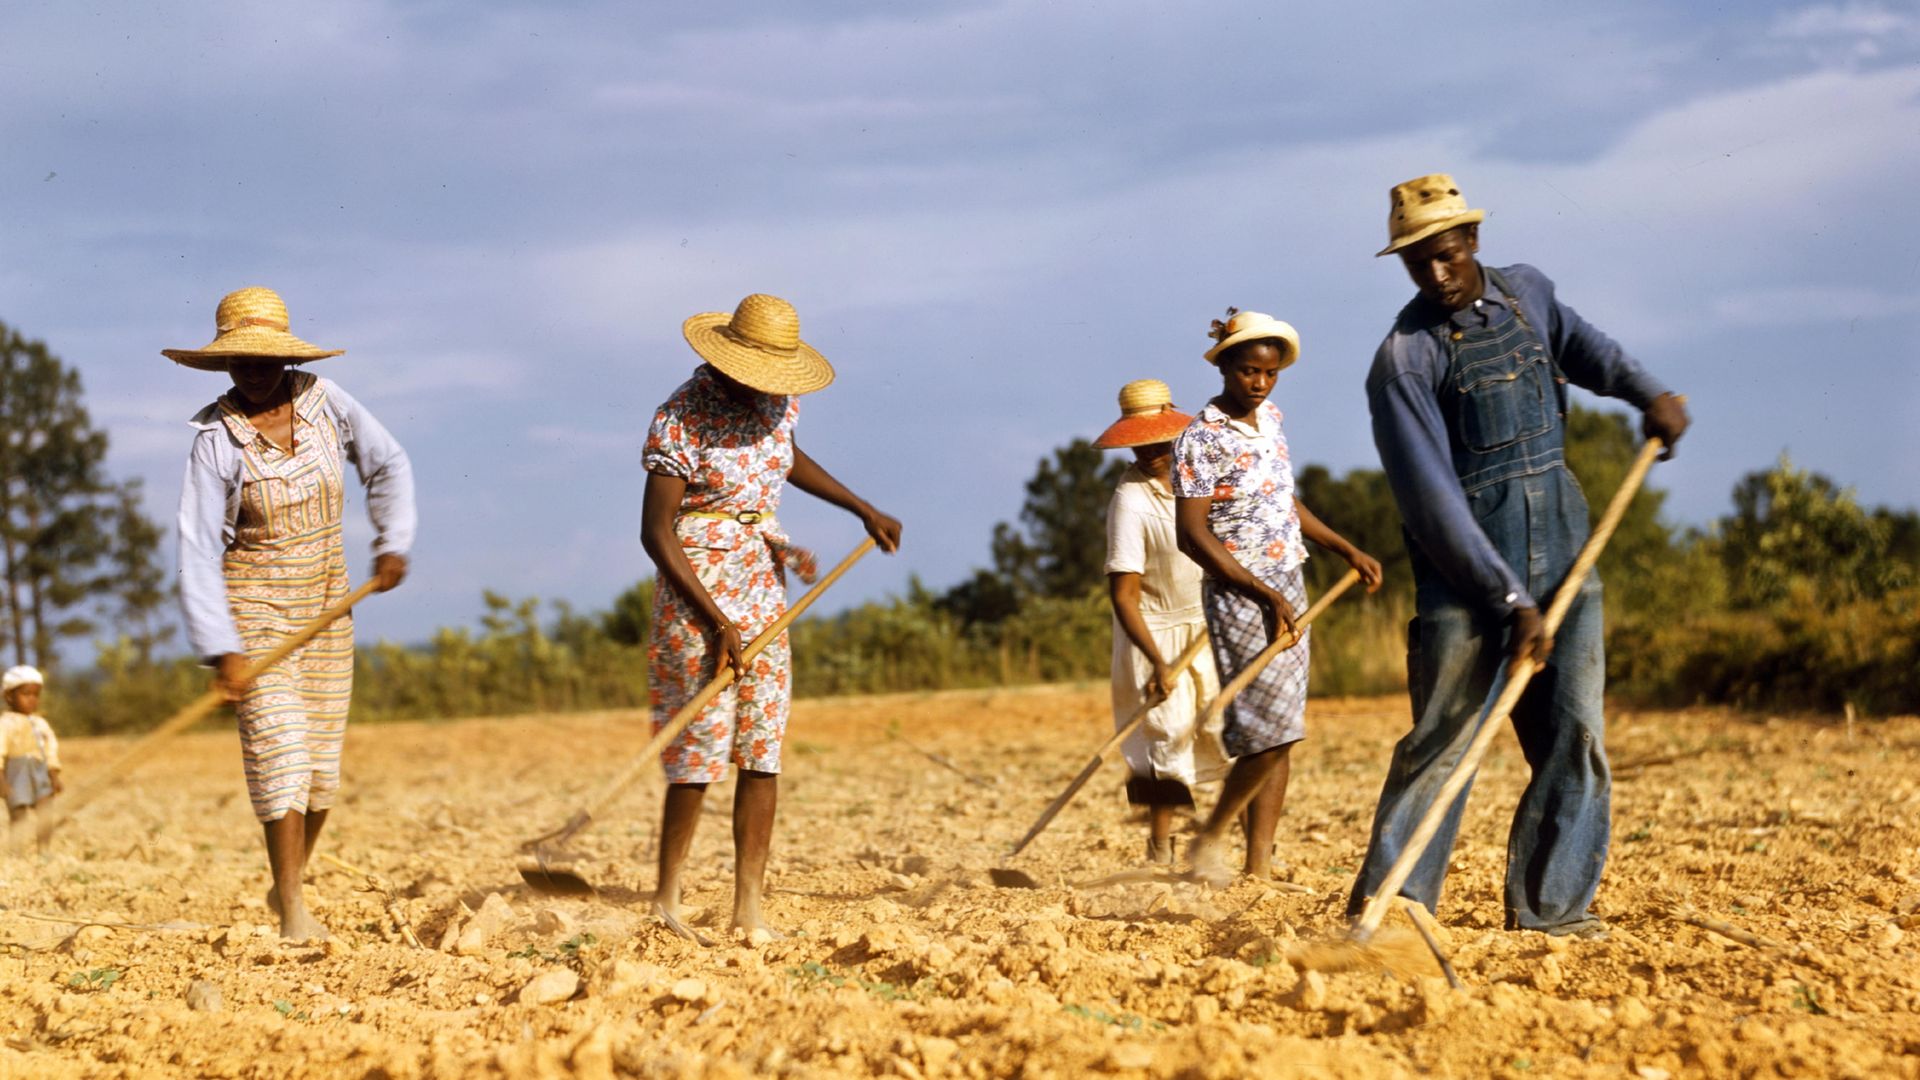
(936, 1053)
(550, 987)
(203, 996)
(623, 977)
(1631, 1012)
(495, 915)
(555, 923)
(689, 991)
(1128, 1055)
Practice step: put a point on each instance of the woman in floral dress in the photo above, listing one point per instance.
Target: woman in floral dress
(1237, 517)
(718, 454)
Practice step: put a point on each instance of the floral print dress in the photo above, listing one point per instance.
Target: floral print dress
(734, 457)
(1247, 472)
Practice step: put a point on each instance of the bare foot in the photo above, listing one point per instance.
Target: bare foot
(755, 930)
(1160, 852)
(670, 915)
(1206, 865)
(297, 924)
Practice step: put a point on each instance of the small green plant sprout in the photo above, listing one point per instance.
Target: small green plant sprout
(97, 979)
(1807, 999)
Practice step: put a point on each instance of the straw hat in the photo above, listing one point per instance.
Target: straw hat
(759, 345)
(20, 676)
(1147, 416)
(1252, 326)
(1424, 207)
(249, 322)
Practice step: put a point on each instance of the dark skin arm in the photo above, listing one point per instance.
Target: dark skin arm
(659, 506)
(1198, 543)
(808, 476)
(1123, 591)
(1320, 533)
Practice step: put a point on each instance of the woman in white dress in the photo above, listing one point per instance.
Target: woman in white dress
(1157, 613)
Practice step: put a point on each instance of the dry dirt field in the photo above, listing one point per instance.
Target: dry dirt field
(903, 959)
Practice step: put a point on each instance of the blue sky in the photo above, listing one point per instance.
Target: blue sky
(989, 216)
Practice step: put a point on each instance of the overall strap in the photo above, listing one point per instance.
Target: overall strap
(1513, 300)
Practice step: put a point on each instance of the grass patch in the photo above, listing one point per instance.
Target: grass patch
(1124, 1021)
(814, 975)
(570, 949)
(1807, 999)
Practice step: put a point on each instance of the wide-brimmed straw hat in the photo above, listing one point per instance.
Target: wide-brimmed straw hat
(1252, 326)
(759, 345)
(1147, 416)
(249, 322)
(1423, 207)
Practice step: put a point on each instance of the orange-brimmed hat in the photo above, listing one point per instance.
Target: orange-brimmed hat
(1147, 416)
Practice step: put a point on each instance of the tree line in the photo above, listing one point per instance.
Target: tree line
(1798, 598)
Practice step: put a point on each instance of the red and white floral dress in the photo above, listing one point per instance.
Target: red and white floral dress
(734, 457)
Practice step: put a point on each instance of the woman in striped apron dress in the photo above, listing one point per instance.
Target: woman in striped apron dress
(261, 554)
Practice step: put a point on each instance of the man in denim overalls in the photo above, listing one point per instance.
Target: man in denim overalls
(1469, 399)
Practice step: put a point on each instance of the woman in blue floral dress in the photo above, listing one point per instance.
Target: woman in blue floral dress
(718, 454)
(1237, 516)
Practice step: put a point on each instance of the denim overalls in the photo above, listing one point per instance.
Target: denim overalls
(1504, 402)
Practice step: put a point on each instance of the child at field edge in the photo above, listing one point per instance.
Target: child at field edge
(32, 774)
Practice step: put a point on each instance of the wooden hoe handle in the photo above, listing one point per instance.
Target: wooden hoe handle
(187, 717)
(638, 766)
(1218, 705)
(1516, 684)
(1180, 665)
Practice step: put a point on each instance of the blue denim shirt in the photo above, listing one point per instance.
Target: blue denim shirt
(1412, 434)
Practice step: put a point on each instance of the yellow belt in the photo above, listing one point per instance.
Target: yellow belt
(744, 517)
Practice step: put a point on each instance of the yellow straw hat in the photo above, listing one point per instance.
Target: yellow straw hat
(1423, 207)
(1252, 326)
(249, 322)
(759, 345)
(1147, 416)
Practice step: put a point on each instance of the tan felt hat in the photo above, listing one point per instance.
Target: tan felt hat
(759, 345)
(1147, 416)
(249, 322)
(1424, 207)
(1251, 326)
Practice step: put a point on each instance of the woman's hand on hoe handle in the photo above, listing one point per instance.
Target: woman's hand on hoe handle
(389, 570)
(1279, 614)
(229, 676)
(1366, 566)
(884, 528)
(727, 647)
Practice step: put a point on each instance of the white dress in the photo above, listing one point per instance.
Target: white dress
(1141, 540)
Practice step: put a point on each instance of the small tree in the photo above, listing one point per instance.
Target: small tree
(1059, 549)
(67, 536)
(1793, 529)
